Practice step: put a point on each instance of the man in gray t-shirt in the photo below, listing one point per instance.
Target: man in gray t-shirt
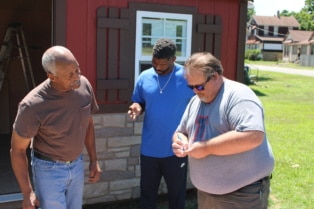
(223, 133)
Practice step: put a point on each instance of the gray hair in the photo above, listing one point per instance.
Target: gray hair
(48, 62)
(54, 56)
(205, 62)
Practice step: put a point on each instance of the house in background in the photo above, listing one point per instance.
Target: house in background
(299, 47)
(112, 41)
(267, 34)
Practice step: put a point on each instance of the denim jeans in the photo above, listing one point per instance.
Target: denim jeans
(59, 185)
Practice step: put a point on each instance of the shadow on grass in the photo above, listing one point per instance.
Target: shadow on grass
(259, 93)
(264, 78)
(259, 78)
(255, 83)
(191, 202)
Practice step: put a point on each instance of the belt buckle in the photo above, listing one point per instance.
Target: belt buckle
(68, 162)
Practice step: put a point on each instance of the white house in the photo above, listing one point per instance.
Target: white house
(299, 47)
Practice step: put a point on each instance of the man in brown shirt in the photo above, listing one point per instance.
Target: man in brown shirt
(55, 118)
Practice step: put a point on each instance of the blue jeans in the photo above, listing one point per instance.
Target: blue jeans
(59, 185)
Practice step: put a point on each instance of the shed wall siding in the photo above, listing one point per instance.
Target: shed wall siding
(116, 47)
(82, 18)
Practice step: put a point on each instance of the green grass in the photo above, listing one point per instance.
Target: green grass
(289, 109)
(289, 117)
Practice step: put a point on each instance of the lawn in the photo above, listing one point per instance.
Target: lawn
(289, 117)
(289, 108)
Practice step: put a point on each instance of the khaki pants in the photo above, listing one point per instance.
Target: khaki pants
(253, 196)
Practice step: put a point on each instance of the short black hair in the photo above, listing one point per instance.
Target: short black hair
(164, 48)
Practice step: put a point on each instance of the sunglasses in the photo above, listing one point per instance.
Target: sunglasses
(200, 87)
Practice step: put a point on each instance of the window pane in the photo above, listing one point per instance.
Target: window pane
(179, 42)
(155, 28)
(146, 38)
(147, 29)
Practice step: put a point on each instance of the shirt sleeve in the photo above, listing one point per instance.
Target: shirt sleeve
(246, 115)
(26, 122)
(94, 105)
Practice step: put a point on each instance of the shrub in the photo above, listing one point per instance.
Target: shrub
(253, 54)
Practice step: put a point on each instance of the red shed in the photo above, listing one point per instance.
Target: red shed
(112, 40)
(105, 36)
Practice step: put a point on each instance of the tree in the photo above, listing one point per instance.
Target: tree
(309, 5)
(305, 17)
(250, 13)
(306, 20)
(285, 13)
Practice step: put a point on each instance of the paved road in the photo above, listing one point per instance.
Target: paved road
(283, 70)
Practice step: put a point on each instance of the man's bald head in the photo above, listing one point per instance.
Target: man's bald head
(57, 55)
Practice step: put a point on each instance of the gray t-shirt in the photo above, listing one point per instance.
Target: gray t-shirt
(236, 107)
(56, 121)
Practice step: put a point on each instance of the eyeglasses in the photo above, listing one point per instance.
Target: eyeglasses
(200, 87)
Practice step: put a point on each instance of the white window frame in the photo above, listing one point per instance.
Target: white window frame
(139, 58)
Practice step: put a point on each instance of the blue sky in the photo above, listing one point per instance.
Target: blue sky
(270, 7)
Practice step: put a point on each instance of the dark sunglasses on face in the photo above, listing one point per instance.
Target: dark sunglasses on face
(200, 87)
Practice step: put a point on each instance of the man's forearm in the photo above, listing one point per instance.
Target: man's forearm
(19, 164)
(90, 141)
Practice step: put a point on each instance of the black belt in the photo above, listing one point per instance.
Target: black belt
(263, 179)
(46, 158)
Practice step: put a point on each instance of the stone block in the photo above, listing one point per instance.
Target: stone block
(115, 164)
(96, 190)
(124, 184)
(114, 120)
(123, 141)
(138, 126)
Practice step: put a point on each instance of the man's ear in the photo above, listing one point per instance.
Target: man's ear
(50, 76)
(215, 76)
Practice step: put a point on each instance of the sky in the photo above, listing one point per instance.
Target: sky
(270, 7)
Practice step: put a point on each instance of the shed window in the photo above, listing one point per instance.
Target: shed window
(151, 26)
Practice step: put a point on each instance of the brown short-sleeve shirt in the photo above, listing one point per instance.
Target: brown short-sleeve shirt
(56, 121)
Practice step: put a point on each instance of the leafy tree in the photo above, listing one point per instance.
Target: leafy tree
(305, 17)
(285, 13)
(250, 13)
(306, 20)
(309, 6)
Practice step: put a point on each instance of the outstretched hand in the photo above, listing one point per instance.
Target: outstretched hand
(134, 110)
